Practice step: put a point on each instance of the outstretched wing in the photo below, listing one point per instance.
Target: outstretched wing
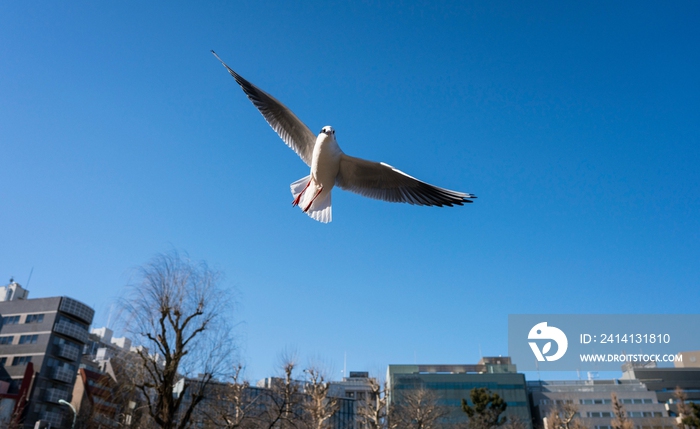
(384, 182)
(285, 123)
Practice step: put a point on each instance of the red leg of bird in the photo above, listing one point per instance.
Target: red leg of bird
(298, 198)
(314, 198)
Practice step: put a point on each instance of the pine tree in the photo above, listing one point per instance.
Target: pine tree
(689, 412)
(487, 410)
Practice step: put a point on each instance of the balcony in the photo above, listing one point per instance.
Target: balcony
(53, 395)
(68, 351)
(63, 374)
(72, 331)
(77, 309)
(55, 419)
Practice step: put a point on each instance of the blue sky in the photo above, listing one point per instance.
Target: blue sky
(576, 125)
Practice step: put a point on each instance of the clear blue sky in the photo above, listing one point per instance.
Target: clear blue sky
(577, 125)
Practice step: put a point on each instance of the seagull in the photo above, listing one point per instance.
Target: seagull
(330, 166)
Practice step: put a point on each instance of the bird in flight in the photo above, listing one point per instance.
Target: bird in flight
(330, 166)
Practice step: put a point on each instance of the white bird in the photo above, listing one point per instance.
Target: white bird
(330, 166)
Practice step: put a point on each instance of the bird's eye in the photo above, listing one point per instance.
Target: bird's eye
(333, 132)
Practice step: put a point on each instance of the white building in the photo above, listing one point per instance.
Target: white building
(593, 399)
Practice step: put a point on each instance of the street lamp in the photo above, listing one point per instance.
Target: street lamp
(75, 414)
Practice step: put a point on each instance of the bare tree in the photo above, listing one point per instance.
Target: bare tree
(681, 406)
(564, 416)
(283, 400)
(372, 412)
(620, 419)
(416, 409)
(318, 406)
(229, 405)
(515, 423)
(126, 368)
(175, 309)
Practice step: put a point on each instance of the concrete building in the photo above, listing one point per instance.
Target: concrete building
(101, 347)
(12, 292)
(358, 385)
(353, 392)
(593, 399)
(98, 393)
(689, 359)
(664, 381)
(94, 398)
(452, 383)
(49, 333)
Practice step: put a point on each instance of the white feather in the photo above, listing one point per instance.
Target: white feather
(320, 209)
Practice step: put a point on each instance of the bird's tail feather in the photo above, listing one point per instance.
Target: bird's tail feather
(299, 186)
(320, 209)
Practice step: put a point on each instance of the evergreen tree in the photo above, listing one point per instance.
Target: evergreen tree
(487, 409)
(692, 419)
(689, 412)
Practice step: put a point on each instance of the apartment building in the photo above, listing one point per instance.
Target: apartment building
(50, 334)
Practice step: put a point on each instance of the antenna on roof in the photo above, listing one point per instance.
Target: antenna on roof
(29, 278)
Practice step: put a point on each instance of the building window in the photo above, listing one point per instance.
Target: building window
(61, 342)
(10, 320)
(3, 360)
(34, 318)
(28, 339)
(638, 401)
(64, 319)
(6, 340)
(21, 360)
(52, 363)
(644, 414)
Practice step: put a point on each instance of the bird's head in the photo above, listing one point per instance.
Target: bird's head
(328, 130)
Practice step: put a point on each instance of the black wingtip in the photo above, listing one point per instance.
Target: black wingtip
(233, 73)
